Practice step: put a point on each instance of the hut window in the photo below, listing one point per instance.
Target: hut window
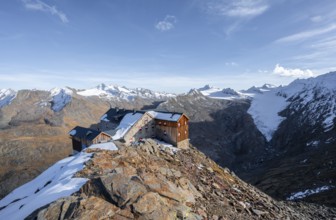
(165, 123)
(179, 124)
(185, 132)
(159, 122)
(185, 123)
(179, 134)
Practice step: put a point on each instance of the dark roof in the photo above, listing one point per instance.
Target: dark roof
(115, 115)
(84, 133)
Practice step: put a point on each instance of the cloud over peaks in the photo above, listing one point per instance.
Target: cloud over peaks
(296, 73)
(167, 23)
(37, 5)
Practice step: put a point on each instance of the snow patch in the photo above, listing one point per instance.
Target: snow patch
(104, 118)
(60, 97)
(54, 183)
(104, 146)
(313, 143)
(72, 132)
(6, 97)
(165, 116)
(163, 145)
(308, 192)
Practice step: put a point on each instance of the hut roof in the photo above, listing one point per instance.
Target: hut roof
(84, 133)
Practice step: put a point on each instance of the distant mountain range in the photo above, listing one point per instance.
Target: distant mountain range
(281, 139)
(268, 100)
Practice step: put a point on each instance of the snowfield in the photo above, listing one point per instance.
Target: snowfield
(60, 98)
(264, 111)
(54, 183)
(6, 97)
(308, 192)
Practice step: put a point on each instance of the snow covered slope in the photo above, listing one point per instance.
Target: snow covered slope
(118, 92)
(315, 97)
(218, 93)
(54, 183)
(60, 97)
(6, 96)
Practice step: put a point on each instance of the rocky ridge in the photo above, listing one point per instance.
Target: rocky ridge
(149, 183)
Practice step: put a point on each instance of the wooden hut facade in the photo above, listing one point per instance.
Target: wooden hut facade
(170, 127)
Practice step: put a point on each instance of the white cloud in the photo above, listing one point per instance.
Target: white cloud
(297, 73)
(238, 8)
(37, 5)
(167, 24)
(307, 34)
(231, 64)
(316, 19)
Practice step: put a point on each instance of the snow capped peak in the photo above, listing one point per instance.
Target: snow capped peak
(121, 92)
(60, 97)
(261, 89)
(313, 96)
(6, 96)
(230, 91)
(268, 86)
(218, 93)
(206, 87)
(101, 86)
(194, 92)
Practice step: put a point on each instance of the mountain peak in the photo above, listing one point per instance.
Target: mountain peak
(206, 87)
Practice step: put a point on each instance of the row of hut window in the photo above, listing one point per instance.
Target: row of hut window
(165, 123)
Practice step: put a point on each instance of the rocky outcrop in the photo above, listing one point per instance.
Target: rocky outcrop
(134, 183)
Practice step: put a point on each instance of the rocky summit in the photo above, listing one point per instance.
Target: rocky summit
(153, 182)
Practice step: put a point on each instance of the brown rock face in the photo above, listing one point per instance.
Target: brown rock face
(133, 183)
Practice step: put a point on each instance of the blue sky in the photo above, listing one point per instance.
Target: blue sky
(164, 45)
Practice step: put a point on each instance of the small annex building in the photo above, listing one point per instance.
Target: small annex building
(85, 137)
(171, 127)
